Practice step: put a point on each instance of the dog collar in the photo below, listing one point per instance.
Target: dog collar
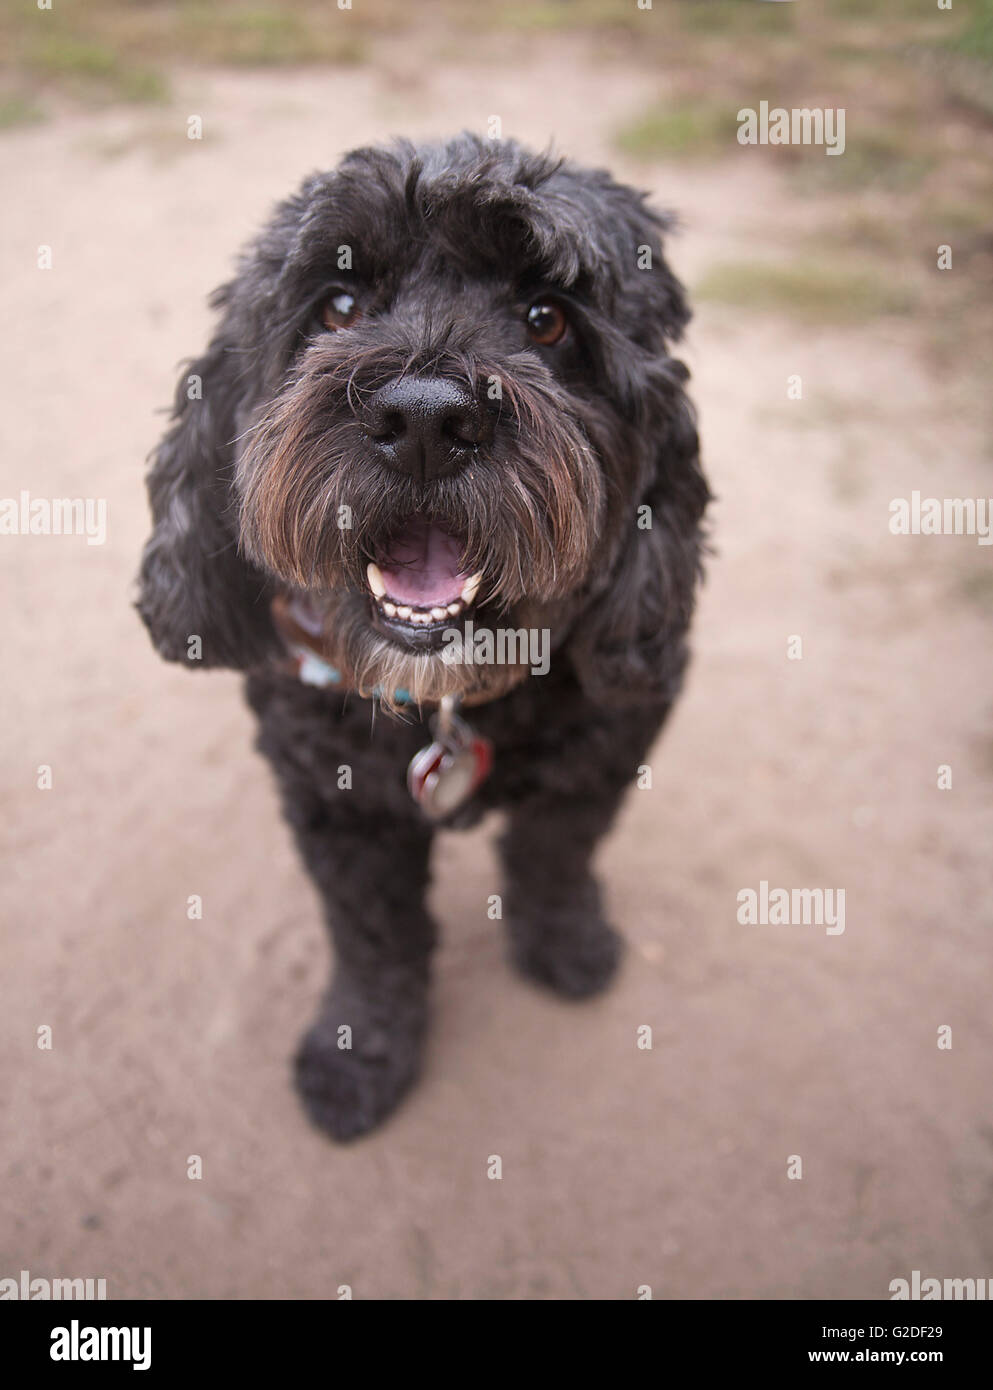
(302, 640)
(442, 776)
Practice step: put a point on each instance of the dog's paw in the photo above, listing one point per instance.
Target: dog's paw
(348, 1090)
(574, 956)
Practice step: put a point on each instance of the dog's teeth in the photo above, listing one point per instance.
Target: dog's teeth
(471, 588)
(417, 615)
(375, 579)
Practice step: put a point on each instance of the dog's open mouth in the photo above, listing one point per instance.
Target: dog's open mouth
(418, 586)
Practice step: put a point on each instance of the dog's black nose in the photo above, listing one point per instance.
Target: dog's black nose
(425, 426)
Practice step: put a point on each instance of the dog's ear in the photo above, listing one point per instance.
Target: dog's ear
(193, 583)
(630, 643)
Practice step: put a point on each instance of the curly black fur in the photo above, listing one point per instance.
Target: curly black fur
(582, 505)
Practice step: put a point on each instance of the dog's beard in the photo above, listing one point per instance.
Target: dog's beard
(523, 519)
(396, 675)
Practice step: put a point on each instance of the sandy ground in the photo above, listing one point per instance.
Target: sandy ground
(621, 1167)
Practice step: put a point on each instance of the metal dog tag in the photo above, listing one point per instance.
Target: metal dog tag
(442, 776)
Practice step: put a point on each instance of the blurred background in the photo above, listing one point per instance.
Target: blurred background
(622, 1166)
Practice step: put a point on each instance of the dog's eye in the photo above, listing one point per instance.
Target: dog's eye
(340, 310)
(546, 323)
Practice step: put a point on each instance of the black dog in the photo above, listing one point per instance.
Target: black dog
(437, 432)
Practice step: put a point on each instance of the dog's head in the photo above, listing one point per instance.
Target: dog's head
(440, 391)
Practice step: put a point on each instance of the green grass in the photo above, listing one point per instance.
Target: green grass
(976, 40)
(891, 157)
(963, 59)
(805, 290)
(18, 110)
(60, 54)
(735, 17)
(141, 84)
(548, 17)
(109, 50)
(680, 132)
(963, 218)
(266, 37)
(865, 9)
(86, 65)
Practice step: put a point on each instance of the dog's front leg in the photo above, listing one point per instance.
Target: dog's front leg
(363, 1051)
(555, 925)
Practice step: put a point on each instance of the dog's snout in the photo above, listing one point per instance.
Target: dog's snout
(425, 426)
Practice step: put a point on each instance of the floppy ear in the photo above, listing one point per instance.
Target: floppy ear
(193, 581)
(631, 642)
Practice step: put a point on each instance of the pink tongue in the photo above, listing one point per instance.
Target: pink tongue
(422, 567)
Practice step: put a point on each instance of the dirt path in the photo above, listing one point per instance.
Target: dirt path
(622, 1167)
